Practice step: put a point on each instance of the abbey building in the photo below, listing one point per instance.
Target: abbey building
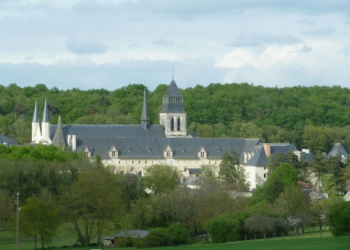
(131, 148)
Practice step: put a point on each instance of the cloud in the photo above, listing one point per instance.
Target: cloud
(162, 42)
(304, 49)
(252, 38)
(85, 46)
(319, 32)
(306, 21)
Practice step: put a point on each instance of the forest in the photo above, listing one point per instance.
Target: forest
(306, 117)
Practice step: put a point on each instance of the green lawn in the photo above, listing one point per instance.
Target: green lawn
(308, 242)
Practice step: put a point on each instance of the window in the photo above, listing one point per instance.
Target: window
(178, 124)
(172, 124)
(264, 175)
(264, 168)
(113, 153)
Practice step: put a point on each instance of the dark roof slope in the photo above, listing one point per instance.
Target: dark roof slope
(259, 159)
(153, 148)
(110, 131)
(338, 149)
(173, 90)
(7, 141)
(59, 140)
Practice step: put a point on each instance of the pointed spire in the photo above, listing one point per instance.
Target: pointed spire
(46, 117)
(36, 113)
(144, 115)
(59, 139)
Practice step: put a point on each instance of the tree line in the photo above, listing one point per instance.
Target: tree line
(307, 117)
(62, 189)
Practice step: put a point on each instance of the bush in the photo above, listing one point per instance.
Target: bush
(157, 237)
(339, 218)
(178, 235)
(223, 228)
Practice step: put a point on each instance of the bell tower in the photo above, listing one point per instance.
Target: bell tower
(173, 115)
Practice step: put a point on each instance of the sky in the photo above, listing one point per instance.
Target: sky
(93, 44)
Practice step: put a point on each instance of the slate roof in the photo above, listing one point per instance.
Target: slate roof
(259, 159)
(7, 141)
(59, 140)
(36, 113)
(281, 148)
(172, 107)
(110, 131)
(153, 148)
(135, 234)
(144, 114)
(173, 90)
(46, 117)
(195, 171)
(338, 149)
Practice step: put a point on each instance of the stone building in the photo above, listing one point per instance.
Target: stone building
(131, 148)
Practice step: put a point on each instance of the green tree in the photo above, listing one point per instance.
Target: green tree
(6, 210)
(92, 201)
(38, 220)
(161, 178)
(231, 171)
(339, 218)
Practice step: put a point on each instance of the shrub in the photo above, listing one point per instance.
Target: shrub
(157, 237)
(178, 235)
(339, 218)
(223, 228)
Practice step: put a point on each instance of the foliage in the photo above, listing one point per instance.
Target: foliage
(38, 219)
(223, 228)
(339, 218)
(161, 178)
(231, 171)
(6, 209)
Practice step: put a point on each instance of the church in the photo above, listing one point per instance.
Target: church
(132, 148)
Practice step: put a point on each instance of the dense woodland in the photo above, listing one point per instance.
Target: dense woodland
(307, 117)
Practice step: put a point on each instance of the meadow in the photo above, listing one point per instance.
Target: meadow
(310, 241)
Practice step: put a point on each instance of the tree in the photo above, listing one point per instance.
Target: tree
(38, 220)
(93, 200)
(339, 218)
(161, 178)
(231, 171)
(6, 210)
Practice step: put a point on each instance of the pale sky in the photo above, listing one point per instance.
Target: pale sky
(109, 44)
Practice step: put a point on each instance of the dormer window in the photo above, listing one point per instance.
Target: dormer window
(202, 153)
(168, 152)
(113, 152)
(87, 152)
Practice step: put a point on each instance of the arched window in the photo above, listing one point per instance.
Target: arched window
(172, 124)
(178, 124)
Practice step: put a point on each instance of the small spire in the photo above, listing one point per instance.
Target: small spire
(36, 114)
(46, 117)
(59, 139)
(144, 115)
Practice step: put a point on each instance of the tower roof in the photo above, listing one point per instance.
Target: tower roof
(59, 139)
(144, 115)
(338, 149)
(36, 113)
(173, 90)
(46, 117)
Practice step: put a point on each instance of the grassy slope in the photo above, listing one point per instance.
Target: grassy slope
(7, 242)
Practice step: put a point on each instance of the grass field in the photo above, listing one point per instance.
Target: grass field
(309, 241)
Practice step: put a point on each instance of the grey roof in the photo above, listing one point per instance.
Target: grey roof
(281, 148)
(110, 131)
(193, 181)
(173, 90)
(153, 148)
(132, 234)
(36, 113)
(195, 171)
(7, 141)
(59, 140)
(46, 117)
(259, 159)
(338, 149)
(144, 115)
(172, 107)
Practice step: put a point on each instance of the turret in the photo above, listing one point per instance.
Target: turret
(144, 115)
(35, 122)
(45, 125)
